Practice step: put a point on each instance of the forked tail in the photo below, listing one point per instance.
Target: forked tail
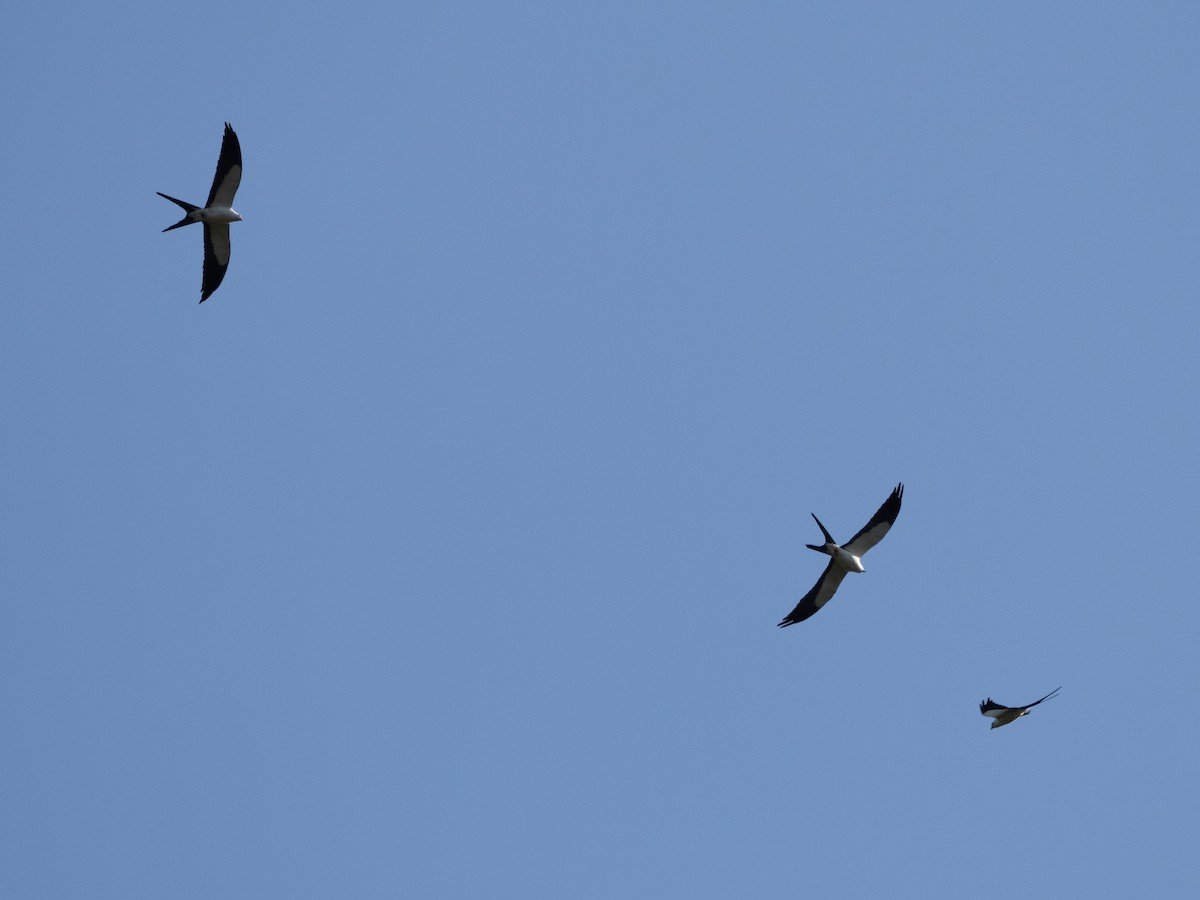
(188, 208)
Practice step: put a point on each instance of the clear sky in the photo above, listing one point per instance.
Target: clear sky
(440, 553)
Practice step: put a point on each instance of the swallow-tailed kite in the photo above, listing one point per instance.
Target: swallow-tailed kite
(846, 558)
(217, 213)
(1005, 714)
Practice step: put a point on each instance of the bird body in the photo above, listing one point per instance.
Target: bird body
(217, 214)
(844, 558)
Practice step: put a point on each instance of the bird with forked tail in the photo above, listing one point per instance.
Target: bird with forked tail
(844, 558)
(216, 214)
(1005, 714)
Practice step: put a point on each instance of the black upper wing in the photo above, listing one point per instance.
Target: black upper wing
(873, 532)
(229, 170)
(990, 707)
(825, 587)
(216, 258)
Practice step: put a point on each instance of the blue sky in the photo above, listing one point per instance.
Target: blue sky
(440, 553)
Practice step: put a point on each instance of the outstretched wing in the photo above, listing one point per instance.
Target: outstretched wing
(873, 532)
(229, 170)
(990, 708)
(216, 257)
(818, 596)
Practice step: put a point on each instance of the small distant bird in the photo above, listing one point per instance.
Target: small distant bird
(216, 214)
(1005, 714)
(844, 558)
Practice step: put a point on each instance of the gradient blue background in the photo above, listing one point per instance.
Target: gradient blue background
(440, 553)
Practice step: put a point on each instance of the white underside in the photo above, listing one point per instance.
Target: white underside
(1005, 716)
(225, 214)
(847, 560)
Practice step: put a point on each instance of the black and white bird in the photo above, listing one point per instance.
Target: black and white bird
(216, 214)
(844, 558)
(1005, 714)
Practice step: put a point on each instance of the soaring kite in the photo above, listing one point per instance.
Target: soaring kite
(216, 214)
(844, 558)
(1005, 714)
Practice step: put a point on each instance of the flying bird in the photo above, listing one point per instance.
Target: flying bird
(216, 214)
(1005, 714)
(844, 558)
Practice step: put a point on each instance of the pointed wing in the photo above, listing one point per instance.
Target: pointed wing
(818, 596)
(216, 257)
(229, 171)
(1049, 696)
(990, 708)
(873, 532)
